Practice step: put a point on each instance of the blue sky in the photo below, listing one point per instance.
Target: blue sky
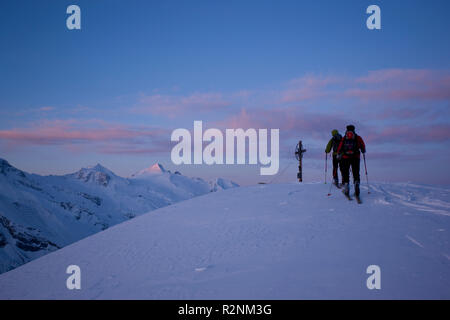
(113, 91)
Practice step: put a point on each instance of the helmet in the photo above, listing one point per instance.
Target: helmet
(351, 128)
(334, 132)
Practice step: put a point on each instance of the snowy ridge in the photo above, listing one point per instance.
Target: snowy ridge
(222, 184)
(286, 241)
(39, 214)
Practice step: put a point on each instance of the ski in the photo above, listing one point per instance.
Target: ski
(346, 192)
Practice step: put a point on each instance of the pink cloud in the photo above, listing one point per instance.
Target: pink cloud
(389, 156)
(316, 81)
(124, 150)
(411, 135)
(47, 108)
(381, 85)
(243, 94)
(369, 95)
(296, 124)
(333, 102)
(402, 84)
(61, 134)
(405, 113)
(397, 75)
(309, 87)
(387, 94)
(68, 133)
(292, 122)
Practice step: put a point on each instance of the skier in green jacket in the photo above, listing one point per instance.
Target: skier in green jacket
(333, 145)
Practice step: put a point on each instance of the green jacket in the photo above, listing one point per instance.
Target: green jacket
(333, 144)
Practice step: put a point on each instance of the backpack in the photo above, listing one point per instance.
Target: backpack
(350, 144)
(336, 141)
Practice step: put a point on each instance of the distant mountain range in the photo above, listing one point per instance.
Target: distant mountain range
(40, 214)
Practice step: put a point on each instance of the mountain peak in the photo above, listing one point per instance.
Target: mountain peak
(97, 173)
(99, 168)
(156, 168)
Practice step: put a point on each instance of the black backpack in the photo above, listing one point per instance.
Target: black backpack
(336, 141)
(350, 143)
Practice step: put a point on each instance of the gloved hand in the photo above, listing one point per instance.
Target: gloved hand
(339, 156)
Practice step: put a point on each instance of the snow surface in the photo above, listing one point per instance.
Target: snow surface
(39, 214)
(286, 241)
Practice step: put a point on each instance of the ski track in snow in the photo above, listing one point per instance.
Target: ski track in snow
(414, 241)
(414, 200)
(286, 241)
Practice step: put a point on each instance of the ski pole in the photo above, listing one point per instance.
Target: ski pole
(367, 176)
(326, 167)
(329, 191)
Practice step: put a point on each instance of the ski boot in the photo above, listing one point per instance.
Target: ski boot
(358, 199)
(346, 189)
(357, 188)
(336, 183)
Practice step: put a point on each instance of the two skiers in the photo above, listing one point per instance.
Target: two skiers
(333, 144)
(349, 153)
(346, 155)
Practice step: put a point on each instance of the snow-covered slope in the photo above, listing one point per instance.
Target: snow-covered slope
(39, 214)
(262, 242)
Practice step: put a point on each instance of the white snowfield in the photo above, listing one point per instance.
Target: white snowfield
(286, 241)
(40, 214)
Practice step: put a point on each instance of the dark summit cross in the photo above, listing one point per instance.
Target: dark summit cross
(299, 151)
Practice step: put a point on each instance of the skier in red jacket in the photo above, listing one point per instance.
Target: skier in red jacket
(349, 152)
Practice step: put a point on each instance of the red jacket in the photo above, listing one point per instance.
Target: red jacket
(360, 145)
